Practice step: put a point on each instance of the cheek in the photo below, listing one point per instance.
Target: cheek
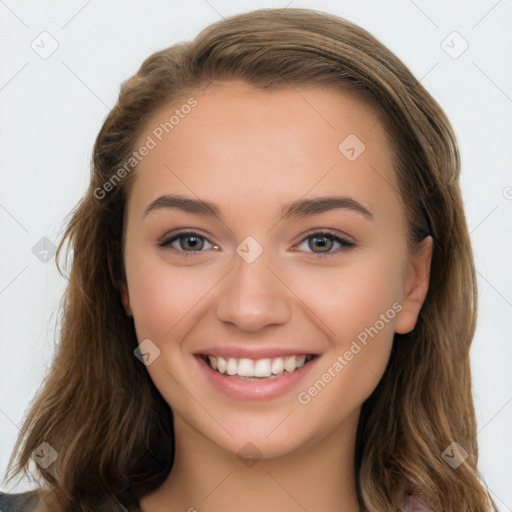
(161, 295)
(358, 307)
(352, 297)
(363, 320)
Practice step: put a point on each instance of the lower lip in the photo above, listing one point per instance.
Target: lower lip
(254, 389)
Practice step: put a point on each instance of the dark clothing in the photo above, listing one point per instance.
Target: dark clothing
(27, 502)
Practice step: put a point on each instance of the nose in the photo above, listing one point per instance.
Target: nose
(252, 296)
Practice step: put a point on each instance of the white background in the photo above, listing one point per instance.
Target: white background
(52, 109)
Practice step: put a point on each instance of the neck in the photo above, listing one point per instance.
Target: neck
(318, 476)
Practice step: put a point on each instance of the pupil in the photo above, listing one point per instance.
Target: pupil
(318, 240)
(195, 241)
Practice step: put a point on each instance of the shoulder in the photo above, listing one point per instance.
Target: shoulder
(29, 501)
(19, 502)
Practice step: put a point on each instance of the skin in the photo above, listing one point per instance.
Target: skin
(251, 151)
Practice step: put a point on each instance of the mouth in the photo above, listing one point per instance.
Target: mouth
(264, 369)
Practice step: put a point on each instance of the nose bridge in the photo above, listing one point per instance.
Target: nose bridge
(252, 296)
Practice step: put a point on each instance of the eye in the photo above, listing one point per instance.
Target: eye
(325, 241)
(188, 242)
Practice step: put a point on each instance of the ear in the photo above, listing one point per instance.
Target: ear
(125, 297)
(415, 286)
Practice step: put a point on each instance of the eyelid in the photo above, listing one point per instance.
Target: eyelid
(345, 241)
(329, 232)
(169, 238)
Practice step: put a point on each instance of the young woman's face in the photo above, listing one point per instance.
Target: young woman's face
(299, 261)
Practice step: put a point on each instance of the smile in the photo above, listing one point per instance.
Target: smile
(257, 377)
(256, 369)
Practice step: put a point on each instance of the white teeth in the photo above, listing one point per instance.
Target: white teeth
(289, 364)
(262, 368)
(246, 368)
(277, 366)
(301, 360)
(221, 364)
(232, 366)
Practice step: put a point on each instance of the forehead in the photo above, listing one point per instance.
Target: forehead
(240, 143)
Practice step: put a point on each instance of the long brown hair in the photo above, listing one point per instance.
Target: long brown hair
(98, 407)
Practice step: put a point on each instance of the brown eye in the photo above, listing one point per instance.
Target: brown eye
(191, 242)
(322, 243)
(187, 242)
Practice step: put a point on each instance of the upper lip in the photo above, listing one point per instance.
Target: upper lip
(255, 353)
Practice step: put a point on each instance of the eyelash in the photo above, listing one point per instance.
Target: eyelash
(172, 237)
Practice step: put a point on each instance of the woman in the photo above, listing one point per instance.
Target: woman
(272, 295)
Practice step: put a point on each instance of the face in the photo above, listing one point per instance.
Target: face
(291, 282)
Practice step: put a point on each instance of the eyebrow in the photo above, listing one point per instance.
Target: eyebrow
(294, 209)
